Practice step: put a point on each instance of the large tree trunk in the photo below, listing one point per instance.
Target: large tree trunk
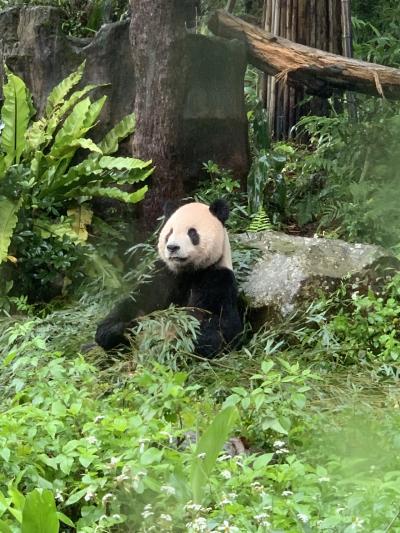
(321, 72)
(158, 35)
(315, 23)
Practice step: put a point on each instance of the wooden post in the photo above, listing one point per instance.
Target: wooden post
(315, 23)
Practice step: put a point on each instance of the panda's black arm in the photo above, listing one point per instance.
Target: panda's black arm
(149, 296)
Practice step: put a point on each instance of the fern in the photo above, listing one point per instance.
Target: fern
(57, 96)
(125, 127)
(260, 221)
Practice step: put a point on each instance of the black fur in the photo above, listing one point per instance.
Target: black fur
(220, 209)
(194, 236)
(211, 295)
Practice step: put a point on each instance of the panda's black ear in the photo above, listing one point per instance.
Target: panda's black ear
(169, 208)
(220, 209)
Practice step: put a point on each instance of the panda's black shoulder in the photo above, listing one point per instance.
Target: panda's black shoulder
(215, 279)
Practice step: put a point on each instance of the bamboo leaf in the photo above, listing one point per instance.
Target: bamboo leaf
(208, 449)
(8, 221)
(109, 144)
(60, 91)
(15, 115)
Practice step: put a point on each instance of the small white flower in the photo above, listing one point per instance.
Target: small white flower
(98, 418)
(257, 487)
(107, 497)
(224, 457)
(148, 507)
(92, 439)
(227, 528)
(59, 497)
(225, 501)
(324, 479)
(287, 493)
(121, 478)
(279, 444)
(201, 456)
(147, 514)
(196, 507)
(170, 491)
(114, 461)
(340, 509)
(260, 517)
(89, 495)
(226, 474)
(357, 523)
(116, 516)
(199, 524)
(281, 451)
(303, 518)
(166, 517)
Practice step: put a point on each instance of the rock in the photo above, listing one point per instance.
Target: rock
(293, 270)
(215, 125)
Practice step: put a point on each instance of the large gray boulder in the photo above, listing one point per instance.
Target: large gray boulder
(293, 270)
(34, 46)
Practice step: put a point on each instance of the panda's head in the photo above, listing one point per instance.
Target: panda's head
(194, 237)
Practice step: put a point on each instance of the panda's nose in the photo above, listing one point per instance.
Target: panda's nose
(172, 248)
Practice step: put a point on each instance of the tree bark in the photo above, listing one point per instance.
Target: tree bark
(320, 72)
(158, 35)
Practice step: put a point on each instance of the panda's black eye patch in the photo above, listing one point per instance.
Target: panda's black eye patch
(194, 236)
(168, 235)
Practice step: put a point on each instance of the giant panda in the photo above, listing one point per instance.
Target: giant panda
(195, 272)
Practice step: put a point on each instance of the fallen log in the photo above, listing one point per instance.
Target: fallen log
(320, 72)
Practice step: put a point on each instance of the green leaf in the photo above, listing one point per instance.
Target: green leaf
(5, 453)
(15, 115)
(40, 513)
(65, 520)
(122, 163)
(110, 192)
(60, 91)
(73, 127)
(109, 144)
(8, 221)
(4, 528)
(76, 496)
(210, 444)
(262, 461)
(93, 112)
(273, 423)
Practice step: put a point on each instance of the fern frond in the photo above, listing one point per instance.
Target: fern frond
(60, 91)
(109, 144)
(260, 221)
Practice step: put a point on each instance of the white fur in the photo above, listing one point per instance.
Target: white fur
(213, 248)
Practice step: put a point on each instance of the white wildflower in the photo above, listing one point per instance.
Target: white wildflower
(281, 451)
(166, 517)
(287, 493)
(89, 496)
(224, 457)
(121, 478)
(232, 495)
(196, 507)
(116, 516)
(357, 523)
(148, 507)
(303, 518)
(227, 528)
(257, 487)
(279, 444)
(324, 479)
(260, 517)
(225, 501)
(92, 439)
(142, 442)
(170, 491)
(226, 474)
(107, 497)
(201, 456)
(199, 524)
(147, 514)
(59, 497)
(98, 418)
(114, 461)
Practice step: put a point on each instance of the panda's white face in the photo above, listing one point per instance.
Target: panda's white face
(192, 238)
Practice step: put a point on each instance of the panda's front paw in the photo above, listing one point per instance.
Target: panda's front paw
(110, 335)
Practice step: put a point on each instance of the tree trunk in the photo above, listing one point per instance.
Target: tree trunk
(158, 35)
(320, 72)
(315, 23)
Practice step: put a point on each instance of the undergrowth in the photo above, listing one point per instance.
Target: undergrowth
(113, 439)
